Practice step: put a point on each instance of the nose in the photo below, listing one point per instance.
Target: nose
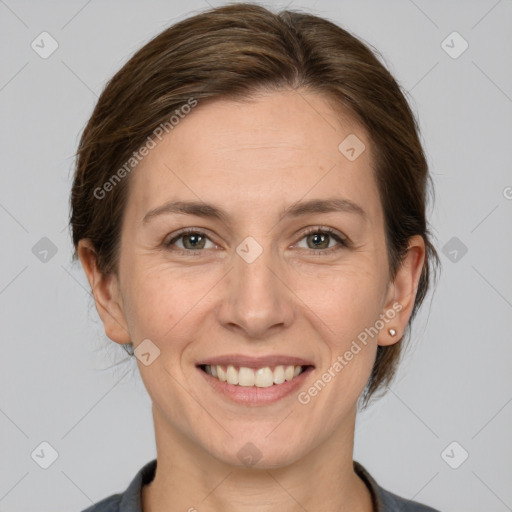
(257, 300)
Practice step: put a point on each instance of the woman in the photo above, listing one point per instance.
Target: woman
(249, 209)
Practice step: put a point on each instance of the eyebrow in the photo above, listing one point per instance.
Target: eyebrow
(206, 210)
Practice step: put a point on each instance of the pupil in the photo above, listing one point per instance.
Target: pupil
(193, 239)
(322, 237)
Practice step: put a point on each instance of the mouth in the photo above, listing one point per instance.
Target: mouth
(254, 381)
(244, 376)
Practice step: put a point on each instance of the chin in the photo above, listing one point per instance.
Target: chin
(259, 452)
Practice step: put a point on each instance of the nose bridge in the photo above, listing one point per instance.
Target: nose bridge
(256, 298)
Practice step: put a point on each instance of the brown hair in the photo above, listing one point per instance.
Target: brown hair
(232, 52)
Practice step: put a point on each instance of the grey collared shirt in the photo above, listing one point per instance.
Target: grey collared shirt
(131, 499)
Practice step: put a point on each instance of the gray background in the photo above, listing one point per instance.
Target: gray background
(455, 382)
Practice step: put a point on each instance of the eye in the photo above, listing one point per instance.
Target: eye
(318, 239)
(191, 240)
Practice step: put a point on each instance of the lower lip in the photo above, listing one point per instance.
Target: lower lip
(254, 395)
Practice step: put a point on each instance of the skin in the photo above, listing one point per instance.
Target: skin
(254, 159)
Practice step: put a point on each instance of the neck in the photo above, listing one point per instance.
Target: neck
(190, 479)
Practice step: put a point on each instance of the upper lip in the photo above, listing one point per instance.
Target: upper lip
(254, 362)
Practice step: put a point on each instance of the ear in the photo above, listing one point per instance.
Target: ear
(106, 292)
(401, 294)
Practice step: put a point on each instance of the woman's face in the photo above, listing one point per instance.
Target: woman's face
(250, 287)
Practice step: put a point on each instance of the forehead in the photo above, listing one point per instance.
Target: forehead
(272, 150)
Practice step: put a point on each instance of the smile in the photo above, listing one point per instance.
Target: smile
(253, 377)
(250, 380)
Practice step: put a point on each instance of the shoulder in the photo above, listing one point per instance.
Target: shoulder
(110, 504)
(386, 501)
(130, 499)
(395, 503)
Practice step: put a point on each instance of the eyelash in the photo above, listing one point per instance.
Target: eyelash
(343, 242)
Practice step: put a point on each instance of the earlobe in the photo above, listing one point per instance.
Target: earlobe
(400, 303)
(106, 293)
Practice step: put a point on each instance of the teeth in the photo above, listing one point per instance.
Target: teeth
(279, 375)
(221, 374)
(246, 377)
(264, 377)
(231, 375)
(249, 377)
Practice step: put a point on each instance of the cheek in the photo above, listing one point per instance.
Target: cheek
(344, 306)
(345, 300)
(161, 304)
(152, 306)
